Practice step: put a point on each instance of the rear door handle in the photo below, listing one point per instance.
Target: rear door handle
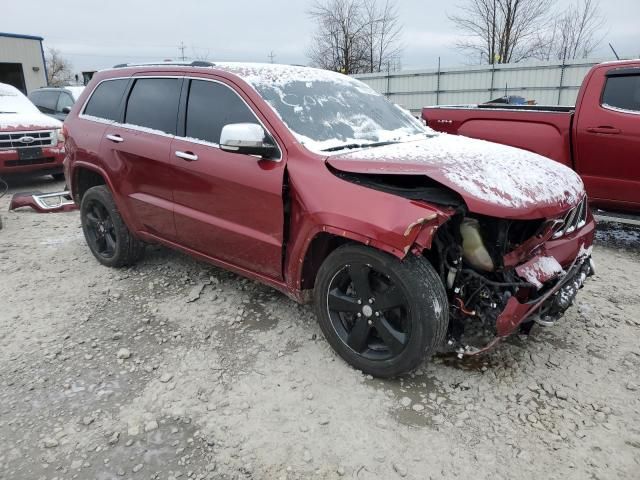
(604, 130)
(188, 156)
(115, 138)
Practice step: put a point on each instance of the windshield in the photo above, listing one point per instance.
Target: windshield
(13, 101)
(328, 111)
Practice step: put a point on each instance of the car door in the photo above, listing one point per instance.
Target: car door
(608, 139)
(227, 205)
(138, 151)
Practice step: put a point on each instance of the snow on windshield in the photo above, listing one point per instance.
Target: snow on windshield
(17, 111)
(325, 109)
(13, 101)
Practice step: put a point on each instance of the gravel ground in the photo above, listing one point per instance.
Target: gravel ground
(176, 369)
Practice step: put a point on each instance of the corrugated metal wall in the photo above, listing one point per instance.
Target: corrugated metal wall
(546, 83)
(28, 53)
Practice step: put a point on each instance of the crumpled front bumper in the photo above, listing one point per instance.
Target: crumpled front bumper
(573, 253)
(44, 202)
(555, 301)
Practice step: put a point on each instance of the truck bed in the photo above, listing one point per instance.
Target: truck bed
(541, 129)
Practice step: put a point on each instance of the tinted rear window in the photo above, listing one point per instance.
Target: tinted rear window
(623, 92)
(105, 100)
(212, 106)
(153, 103)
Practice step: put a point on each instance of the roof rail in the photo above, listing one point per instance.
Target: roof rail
(195, 63)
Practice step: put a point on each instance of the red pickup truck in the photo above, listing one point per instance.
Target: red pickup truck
(599, 138)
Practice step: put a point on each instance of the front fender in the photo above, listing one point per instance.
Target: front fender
(408, 232)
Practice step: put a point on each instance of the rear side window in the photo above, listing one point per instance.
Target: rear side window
(622, 92)
(45, 100)
(105, 100)
(153, 103)
(212, 106)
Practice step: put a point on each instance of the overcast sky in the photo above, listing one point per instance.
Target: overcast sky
(98, 35)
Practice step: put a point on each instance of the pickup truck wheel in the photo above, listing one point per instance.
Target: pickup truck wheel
(382, 315)
(108, 237)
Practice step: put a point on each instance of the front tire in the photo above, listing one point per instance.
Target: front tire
(382, 315)
(108, 237)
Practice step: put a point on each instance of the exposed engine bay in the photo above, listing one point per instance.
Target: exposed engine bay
(499, 278)
(498, 273)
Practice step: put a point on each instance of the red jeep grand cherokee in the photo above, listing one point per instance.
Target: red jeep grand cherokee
(409, 241)
(29, 140)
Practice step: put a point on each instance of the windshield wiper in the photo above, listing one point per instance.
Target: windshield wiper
(351, 146)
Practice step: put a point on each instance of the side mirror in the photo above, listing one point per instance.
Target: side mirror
(248, 139)
(66, 110)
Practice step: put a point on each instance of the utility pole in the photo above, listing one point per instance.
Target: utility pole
(271, 56)
(181, 48)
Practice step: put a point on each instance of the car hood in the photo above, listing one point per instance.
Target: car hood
(27, 121)
(493, 179)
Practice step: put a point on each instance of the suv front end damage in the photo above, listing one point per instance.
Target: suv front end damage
(504, 275)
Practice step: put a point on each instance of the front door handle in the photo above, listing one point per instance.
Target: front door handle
(604, 130)
(115, 138)
(188, 156)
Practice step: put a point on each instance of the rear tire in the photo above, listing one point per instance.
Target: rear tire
(382, 315)
(108, 237)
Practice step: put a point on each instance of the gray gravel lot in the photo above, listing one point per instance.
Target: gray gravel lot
(176, 369)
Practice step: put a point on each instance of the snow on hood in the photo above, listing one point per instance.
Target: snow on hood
(493, 179)
(17, 111)
(75, 91)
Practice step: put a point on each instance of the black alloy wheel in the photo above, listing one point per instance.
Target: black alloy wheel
(107, 235)
(101, 233)
(368, 312)
(381, 314)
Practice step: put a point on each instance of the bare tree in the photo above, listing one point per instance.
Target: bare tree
(576, 33)
(382, 41)
(355, 36)
(503, 31)
(58, 68)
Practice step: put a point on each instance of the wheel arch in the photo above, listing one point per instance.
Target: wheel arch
(85, 177)
(324, 241)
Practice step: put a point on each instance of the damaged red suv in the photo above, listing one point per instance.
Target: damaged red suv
(408, 241)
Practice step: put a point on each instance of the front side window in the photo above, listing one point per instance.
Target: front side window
(622, 92)
(105, 100)
(153, 103)
(210, 107)
(64, 100)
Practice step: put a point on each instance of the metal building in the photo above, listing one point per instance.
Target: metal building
(22, 61)
(554, 83)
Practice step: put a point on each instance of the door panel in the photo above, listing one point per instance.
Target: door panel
(229, 206)
(608, 141)
(143, 162)
(139, 153)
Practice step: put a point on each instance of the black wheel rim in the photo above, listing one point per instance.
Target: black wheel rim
(369, 312)
(100, 230)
